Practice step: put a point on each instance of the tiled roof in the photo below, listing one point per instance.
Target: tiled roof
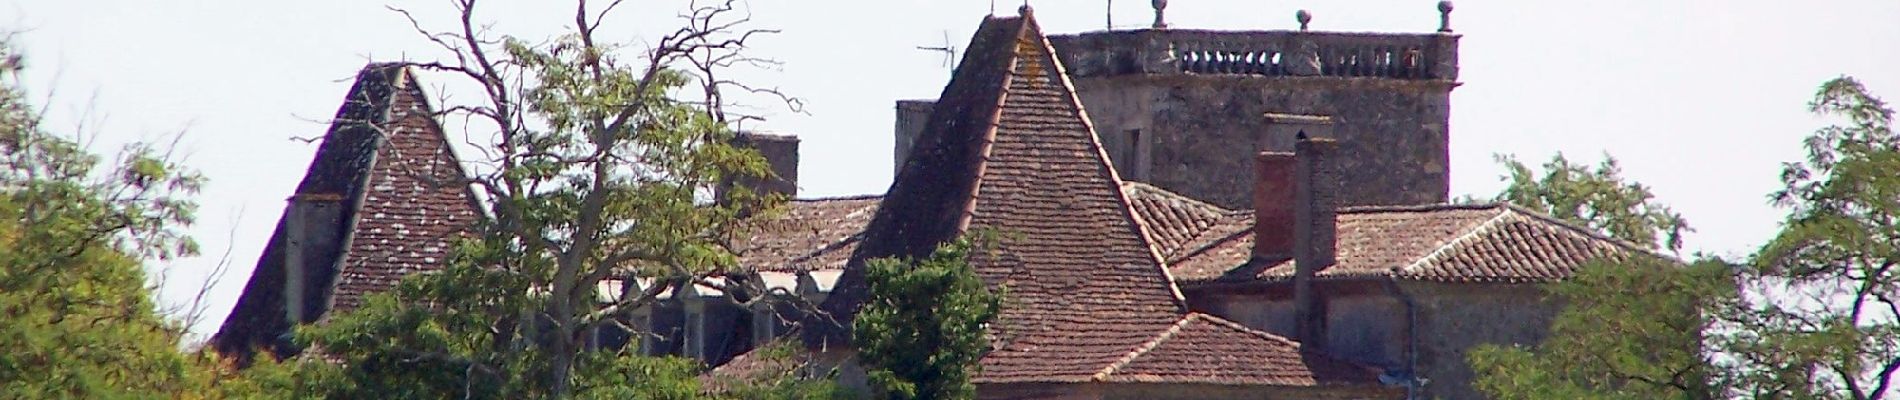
(1009, 151)
(820, 234)
(809, 234)
(1470, 243)
(1202, 348)
(1172, 220)
(413, 209)
(386, 159)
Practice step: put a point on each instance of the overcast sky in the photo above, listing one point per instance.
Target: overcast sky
(1701, 100)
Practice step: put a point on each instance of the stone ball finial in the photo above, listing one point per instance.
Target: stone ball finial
(1444, 16)
(1161, 8)
(1025, 10)
(1304, 18)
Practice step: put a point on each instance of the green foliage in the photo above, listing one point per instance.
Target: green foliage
(1630, 330)
(921, 331)
(1597, 198)
(1817, 316)
(1829, 327)
(76, 316)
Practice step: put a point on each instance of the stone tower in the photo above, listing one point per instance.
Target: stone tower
(1187, 110)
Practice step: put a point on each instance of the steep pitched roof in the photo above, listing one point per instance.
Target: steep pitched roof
(390, 164)
(1462, 243)
(1009, 151)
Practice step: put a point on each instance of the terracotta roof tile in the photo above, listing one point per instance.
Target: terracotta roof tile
(1202, 348)
(808, 234)
(411, 214)
(820, 234)
(1172, 220)
(1436, 242)
(1010, 152)
(1085, 286)
(384, 148)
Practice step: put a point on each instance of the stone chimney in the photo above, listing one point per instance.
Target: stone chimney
(1315, 230)
(912, 116)
(312, 242)
(781, 154)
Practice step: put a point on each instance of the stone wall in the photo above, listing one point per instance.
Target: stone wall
(1453, 318)
(1186, 110)
(1200, 133)
(1368, 323)
(1364, 322)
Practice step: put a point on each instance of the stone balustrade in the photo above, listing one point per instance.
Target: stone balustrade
(1430, 56)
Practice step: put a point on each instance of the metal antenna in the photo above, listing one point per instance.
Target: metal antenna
(1110, 13)
(949, 50)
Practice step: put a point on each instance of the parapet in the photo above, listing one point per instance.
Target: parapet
(1408, 56)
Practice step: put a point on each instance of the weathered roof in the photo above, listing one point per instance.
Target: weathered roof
(1172, 220)
(388, 161)
(1202, 348)
(1009, 152)
(1466, 243)
(820, 234)
(806, 234)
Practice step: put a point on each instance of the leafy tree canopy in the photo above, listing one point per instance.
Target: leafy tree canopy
(921, 331)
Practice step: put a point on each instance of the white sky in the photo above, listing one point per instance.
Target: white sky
(1700, 99)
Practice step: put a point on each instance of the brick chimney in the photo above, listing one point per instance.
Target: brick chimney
(1315, 231)
(781, 155)
(1273, 206)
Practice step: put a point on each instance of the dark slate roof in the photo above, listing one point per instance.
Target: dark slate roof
(1202, 348)
(389, 161)
(1461, 243)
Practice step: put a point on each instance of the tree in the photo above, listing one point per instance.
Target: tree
(1597, 198)
(1630, 329)
(76, 231)
(595, 167)
(1816, 316)
(1826, 320)
(921, 330)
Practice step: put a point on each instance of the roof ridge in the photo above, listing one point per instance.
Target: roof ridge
(837, 198)
(1468, 235)
(988, 136)
(1215, 319)
(1138, 185)
(1145, 347)
(1419, 207)
(1214, 243)
(1579, 229)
